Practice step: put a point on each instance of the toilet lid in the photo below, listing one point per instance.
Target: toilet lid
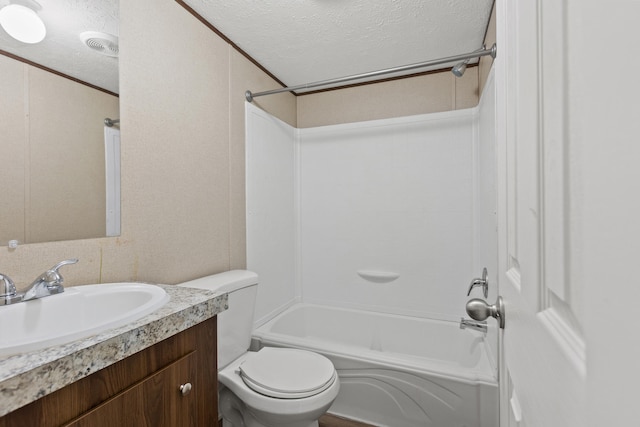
(287, 373)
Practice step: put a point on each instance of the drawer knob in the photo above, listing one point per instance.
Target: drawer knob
(185, 389)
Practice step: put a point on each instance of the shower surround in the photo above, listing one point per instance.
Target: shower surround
(388, 220)
(335, 213)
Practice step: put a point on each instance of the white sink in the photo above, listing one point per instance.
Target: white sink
(76, 313)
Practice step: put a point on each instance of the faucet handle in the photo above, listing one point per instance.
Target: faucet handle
(7, 287)
(53, 276)
(61, 263)
(484, 282)
(8, 292)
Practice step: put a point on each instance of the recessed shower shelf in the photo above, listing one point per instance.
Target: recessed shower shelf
(378, 276)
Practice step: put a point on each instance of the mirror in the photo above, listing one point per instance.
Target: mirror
(59, 170)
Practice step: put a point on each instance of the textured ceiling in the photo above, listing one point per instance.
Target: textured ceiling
(303, 41)
(62, 50)
(298, 41)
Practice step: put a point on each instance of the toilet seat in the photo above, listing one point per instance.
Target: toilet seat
(287, 373)
(263, 406)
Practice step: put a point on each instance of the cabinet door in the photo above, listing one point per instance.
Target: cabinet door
(155, 401)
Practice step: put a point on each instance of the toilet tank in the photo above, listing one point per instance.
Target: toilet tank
(236, 323)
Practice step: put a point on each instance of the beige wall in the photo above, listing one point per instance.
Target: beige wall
(182, 112)
(52, 146)
(182, 122)
(430, 93)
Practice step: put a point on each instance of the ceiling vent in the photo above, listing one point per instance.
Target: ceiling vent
(103, 43)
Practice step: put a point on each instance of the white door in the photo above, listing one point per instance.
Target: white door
(568, 156)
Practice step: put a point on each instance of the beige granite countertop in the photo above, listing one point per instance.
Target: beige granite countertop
(27, 377)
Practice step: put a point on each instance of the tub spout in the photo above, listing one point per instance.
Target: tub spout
(473, 324)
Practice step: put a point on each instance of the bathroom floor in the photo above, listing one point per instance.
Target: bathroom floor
(333, 421)
(329, 420)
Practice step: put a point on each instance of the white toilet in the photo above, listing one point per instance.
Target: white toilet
(273, 387)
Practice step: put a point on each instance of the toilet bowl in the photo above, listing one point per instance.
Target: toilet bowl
(272, 387)
(278, 387)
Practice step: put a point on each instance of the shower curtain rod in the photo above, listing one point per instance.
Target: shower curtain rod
(475, 54)
(109, 122)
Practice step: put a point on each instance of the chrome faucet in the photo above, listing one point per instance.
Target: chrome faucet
(8, 293)
(476, 325)
(48, 283)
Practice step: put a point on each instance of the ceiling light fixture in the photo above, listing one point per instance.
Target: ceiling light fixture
(22, 23)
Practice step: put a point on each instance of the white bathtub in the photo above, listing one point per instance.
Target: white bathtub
(395, 371)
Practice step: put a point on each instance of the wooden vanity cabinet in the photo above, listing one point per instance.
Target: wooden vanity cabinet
(141, 390)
